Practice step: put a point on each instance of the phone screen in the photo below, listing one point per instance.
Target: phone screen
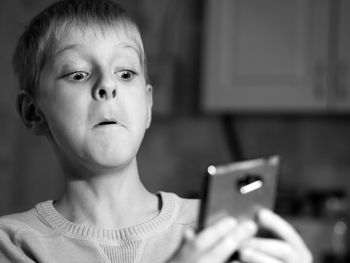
(238, 189)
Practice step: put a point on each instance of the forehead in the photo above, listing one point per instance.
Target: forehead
(96, 36)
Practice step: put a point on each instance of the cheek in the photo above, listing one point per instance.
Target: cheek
(65, 116)
(139, 110)
(64, 108)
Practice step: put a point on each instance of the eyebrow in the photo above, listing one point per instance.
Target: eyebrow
(135, 49)
(72, 46)
(123, 45)
(129, 46)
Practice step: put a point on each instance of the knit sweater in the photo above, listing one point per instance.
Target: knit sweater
(43, 235)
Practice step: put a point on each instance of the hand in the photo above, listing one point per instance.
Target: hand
(214, 244)
(290, 248)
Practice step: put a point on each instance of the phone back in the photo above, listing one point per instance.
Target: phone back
(239, 189)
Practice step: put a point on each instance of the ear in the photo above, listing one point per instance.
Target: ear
(149, 94)
(31, 115)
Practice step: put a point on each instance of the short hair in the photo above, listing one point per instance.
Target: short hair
(34, 44)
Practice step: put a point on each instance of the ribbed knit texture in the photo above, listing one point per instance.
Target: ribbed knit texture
(43, 235)
(67, 228)
(126, 253)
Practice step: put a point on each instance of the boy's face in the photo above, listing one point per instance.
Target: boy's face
(94, 97)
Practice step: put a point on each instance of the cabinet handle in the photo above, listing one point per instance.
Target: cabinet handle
(340, 79)
(320, 80)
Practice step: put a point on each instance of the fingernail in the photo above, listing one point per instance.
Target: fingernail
(247, 243)
(250, 226)
(230, 222)
(264, 213)
(245, 254)
(189, 234)
(227, 224)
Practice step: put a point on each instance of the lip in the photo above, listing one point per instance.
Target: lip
(107, 122)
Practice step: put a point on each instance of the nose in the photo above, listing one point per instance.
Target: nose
(104, 94)
(105, 88)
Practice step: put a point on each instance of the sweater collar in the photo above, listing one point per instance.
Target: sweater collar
(81, 231)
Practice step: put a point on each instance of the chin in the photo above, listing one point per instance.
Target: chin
(111, 160)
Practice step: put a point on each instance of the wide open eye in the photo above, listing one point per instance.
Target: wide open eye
(126, 74)
(77, 76)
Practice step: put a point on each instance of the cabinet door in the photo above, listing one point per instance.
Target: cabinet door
(342, 65)
(265, 55)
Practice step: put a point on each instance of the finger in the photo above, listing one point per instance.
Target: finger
(275, 248)
(189, 234)
(211, 235)
(255, 256)
(181, 252)
(280, 227)
(231, 242)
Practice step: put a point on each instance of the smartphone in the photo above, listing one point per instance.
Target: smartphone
(238, 189)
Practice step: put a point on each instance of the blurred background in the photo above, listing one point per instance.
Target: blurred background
(232, 80)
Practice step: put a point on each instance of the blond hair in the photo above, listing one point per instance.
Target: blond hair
(34, 44)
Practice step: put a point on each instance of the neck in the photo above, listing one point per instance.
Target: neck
(111, 200)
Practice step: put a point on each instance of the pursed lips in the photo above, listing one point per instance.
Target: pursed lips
(108, 122)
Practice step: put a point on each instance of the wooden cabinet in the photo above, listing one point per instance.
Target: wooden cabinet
(342, 57)
(276, 55)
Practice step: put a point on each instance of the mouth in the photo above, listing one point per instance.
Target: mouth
(107, 122)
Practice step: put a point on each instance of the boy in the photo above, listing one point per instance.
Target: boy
(83, 79)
